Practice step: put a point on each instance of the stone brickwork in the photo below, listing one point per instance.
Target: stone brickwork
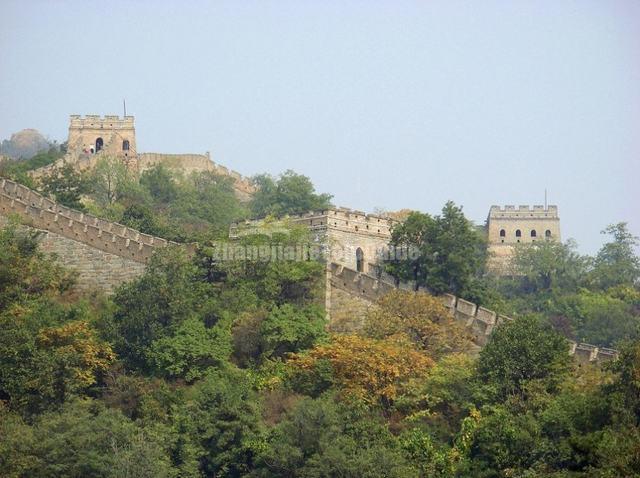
(512, 225)
(94, 270)
(118, 139)
(104, 253)
(347, 234)
(481, 322)
(193, 163)
(111, 134)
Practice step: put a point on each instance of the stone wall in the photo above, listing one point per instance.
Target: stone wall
(95, 270)
(182, 163)
(504, 225)
(344, 281)
(190, 163)
(113, 130)
(342, 230)
(104, 253)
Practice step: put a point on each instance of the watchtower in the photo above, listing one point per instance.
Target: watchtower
(92, 134)
(513, 225)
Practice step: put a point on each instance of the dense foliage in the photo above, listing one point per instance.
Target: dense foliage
(211, 367)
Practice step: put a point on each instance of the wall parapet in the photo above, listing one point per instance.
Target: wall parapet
(480, 321)
(43, 213)
(339, 219)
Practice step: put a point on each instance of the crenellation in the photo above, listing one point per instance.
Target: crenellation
(480, 321)
(108, 236)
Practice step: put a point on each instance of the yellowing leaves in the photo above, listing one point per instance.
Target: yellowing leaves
(370, 369)
(422, 318)
(77, 349)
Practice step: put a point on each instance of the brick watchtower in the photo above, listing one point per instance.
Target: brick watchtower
(91, 134)
(509, 226)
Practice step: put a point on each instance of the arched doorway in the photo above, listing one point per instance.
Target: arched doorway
(359, 260)
(99, 144)
(125, 145)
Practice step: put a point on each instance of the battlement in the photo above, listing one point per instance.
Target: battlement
(480, 322)
(523, 211)
(97, 121)
(338, 219)
(42, 213)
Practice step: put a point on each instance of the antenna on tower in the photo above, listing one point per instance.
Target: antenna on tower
(124, 105)
(545, 199)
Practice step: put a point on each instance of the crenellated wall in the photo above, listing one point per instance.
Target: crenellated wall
(480, 321)
(346, 233)
(104, 253)
(190, 163)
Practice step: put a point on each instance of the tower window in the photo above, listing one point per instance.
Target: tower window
(547, 234)
(533, 233)
(99, 144)
(125, 145)
(518, 233)
(503, 233)
(359, 260)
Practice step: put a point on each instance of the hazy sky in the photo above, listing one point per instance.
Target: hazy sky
(387, 104)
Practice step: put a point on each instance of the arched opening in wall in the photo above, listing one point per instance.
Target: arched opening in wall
(534, 233)
(125, 145)
(359, 260)
(547, 234)
(518, 233)
(99, 144)
(503, 233)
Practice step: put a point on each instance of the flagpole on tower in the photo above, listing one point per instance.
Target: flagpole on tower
(124, 105)
(545, 199)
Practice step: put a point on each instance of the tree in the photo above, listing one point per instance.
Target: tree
(222, 421)
(616, 263)
(82, 439)
(25, 272)
(375, 371)
(323, 438)
(450, 252)
(547, 266)
(160, 184)
(420, 317)
(155, 306)
(109, 180)
(290, 193)
(520, 351)
(288, 329)
(66, 186)
(191, 349)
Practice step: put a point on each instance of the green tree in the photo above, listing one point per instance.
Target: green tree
(290, 329)
(449, 252)
(520, 351)
(109, 180)
(322, 438)
(547, 266)
(156, 305)
(160, 184)
(66, 186)
(221, 419)
(616, 263)
(82, 439)
(290, 193)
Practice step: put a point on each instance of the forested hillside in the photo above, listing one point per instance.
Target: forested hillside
(203, 367)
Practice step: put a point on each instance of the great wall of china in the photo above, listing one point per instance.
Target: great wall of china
(106, 254)
(185, 163)
(365, 289)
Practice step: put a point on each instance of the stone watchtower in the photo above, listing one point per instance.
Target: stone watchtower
(92, 134)
(509, 226)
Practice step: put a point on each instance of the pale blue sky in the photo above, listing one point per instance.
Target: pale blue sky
(390, 104)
